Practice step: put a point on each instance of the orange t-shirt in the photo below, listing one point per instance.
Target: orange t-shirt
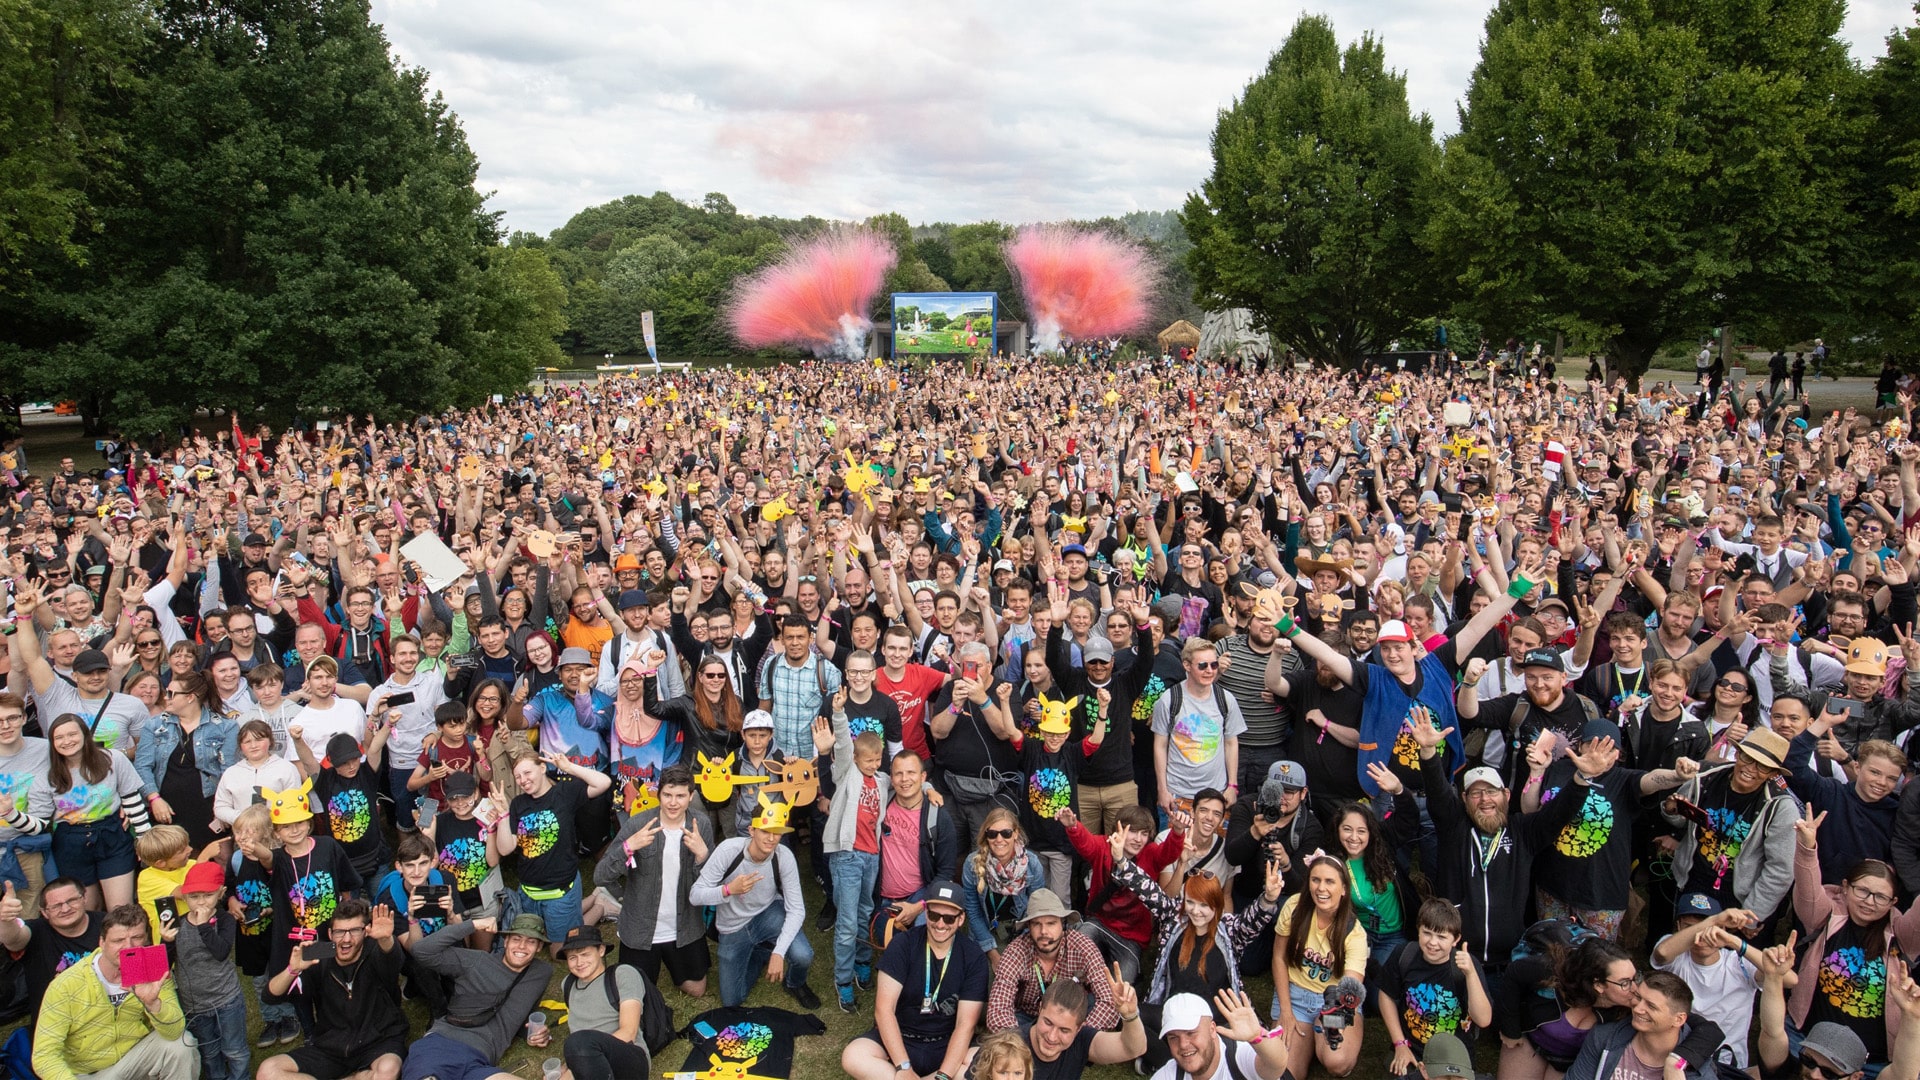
(588, 636)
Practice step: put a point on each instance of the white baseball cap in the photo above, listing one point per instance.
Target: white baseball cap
(1183, 1012)
(758, 718)
(1482, 775)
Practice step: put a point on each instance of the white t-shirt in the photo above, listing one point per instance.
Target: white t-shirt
(1244, 1055)
(665, 925)
(318, 725)
(1722, 992)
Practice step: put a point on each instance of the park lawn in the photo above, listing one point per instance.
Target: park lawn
(933, 341)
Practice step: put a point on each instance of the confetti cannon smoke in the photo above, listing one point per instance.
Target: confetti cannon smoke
(817, 296)
(1079, 285)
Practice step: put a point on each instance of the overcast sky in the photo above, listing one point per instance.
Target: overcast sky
(941, 111)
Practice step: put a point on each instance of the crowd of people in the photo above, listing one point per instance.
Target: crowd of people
(1569, 725)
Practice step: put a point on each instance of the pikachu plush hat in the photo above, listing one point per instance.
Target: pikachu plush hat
(772, 816)
(289, 806)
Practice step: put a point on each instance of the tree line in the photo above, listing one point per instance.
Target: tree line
(1628, 175)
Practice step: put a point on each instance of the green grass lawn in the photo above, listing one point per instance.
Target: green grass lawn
(938, 341)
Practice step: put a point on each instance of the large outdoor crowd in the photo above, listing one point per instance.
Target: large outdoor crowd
(1565, 723)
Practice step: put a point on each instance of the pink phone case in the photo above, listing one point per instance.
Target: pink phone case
(143, 965)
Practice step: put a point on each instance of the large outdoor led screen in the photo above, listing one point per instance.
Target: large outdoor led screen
(944, 324)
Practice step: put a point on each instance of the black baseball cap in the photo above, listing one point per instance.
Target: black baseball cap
(90, 660)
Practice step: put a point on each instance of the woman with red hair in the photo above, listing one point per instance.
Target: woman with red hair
(1200, 941)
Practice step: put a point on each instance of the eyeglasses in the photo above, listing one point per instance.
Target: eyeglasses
(943, 918)
(347, 931)
(1868, 896)
(999, 834)
(1627, 983)
(859, 671)
(1205, 665)
(13, 718)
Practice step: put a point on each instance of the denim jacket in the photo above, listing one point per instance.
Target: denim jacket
(216, 745)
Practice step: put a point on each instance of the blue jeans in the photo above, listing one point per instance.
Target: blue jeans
(854, 873)
(222, 1034)
(1380, 949)
(561, 915)
(270, 1013)
(745, 952)
(404, 801)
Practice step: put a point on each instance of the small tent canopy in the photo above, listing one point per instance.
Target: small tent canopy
(1181, 333)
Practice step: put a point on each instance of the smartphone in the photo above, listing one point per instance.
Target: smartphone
(1839, 706)
(405, 697)
(1692, 812)
(300, 560)
(970, 670)
(430, 894)
(318, 950)
(146, 964)
(167, 908)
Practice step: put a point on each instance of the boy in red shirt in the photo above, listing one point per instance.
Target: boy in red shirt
(1116, 920)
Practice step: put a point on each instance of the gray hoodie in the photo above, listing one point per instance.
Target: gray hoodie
(1763, 871)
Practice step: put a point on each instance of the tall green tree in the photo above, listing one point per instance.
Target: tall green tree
(295, 232)
(1886, 302)
(1310, 215)
(1649, 169)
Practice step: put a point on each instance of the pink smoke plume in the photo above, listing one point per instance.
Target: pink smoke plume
(817, 296)
(1079, 284)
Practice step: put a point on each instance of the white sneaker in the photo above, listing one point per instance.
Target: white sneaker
(609, 907)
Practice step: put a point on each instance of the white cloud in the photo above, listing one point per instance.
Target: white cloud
(943, 112)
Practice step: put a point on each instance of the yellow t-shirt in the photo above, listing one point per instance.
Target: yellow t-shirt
(154, 883)
(1315, 972)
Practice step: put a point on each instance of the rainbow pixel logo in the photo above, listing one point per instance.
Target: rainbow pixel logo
(312, 899)
(1853, 985)
(349, 815)
(255, 894)
(1049, 791)
(1406, 752)
(466, 860)
(1726, 835)
(742, 1042)
(1430, 1010)
(1591, 831)
(538, 832)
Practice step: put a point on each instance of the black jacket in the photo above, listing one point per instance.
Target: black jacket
(1493, 894)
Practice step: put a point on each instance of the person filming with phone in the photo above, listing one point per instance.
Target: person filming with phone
(115, 1014)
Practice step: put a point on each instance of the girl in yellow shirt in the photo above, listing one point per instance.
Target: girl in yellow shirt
(1317, 944)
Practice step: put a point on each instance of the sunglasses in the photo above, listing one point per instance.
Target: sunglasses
(943, 918)
(1205, 665)
(1813, 1068)
(1732, 684)
(999, 834)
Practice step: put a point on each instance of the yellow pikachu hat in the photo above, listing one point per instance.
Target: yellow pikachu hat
(772, 816)
(289, 806)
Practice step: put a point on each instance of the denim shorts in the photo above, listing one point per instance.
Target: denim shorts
(1306, 1003)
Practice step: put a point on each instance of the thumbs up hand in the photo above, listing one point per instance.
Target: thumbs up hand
(10, 905)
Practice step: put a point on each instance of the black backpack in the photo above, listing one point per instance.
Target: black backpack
(657, 1028)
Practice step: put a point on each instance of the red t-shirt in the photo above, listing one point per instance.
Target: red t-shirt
(866, 822)
(458, 758)
(917, 685)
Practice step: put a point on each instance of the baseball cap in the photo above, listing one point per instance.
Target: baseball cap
(757, 719)
(1394, 630)
(203, 877)
(1446, 1055)
(1074, 549)
(945, 892)
(1482, 775)
(1553, 602)
(1697, 904)
(1003, 564)
(1096, 648)
(1289, 773)
(1839, 1045)
(459, 785)
(1546, 658)
(575, 655)
(633, 598)
(1183, 1012)
(1599, 729)
(254, 540)
(342, 748)
(90, 660)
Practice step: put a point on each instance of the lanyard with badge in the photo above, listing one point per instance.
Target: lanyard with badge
(930, 987)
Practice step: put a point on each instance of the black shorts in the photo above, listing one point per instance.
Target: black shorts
(325, 1064)
(685, 963)
(926, 1057)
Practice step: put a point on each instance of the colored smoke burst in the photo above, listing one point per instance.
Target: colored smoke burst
(816, 297)
(1078, 284)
